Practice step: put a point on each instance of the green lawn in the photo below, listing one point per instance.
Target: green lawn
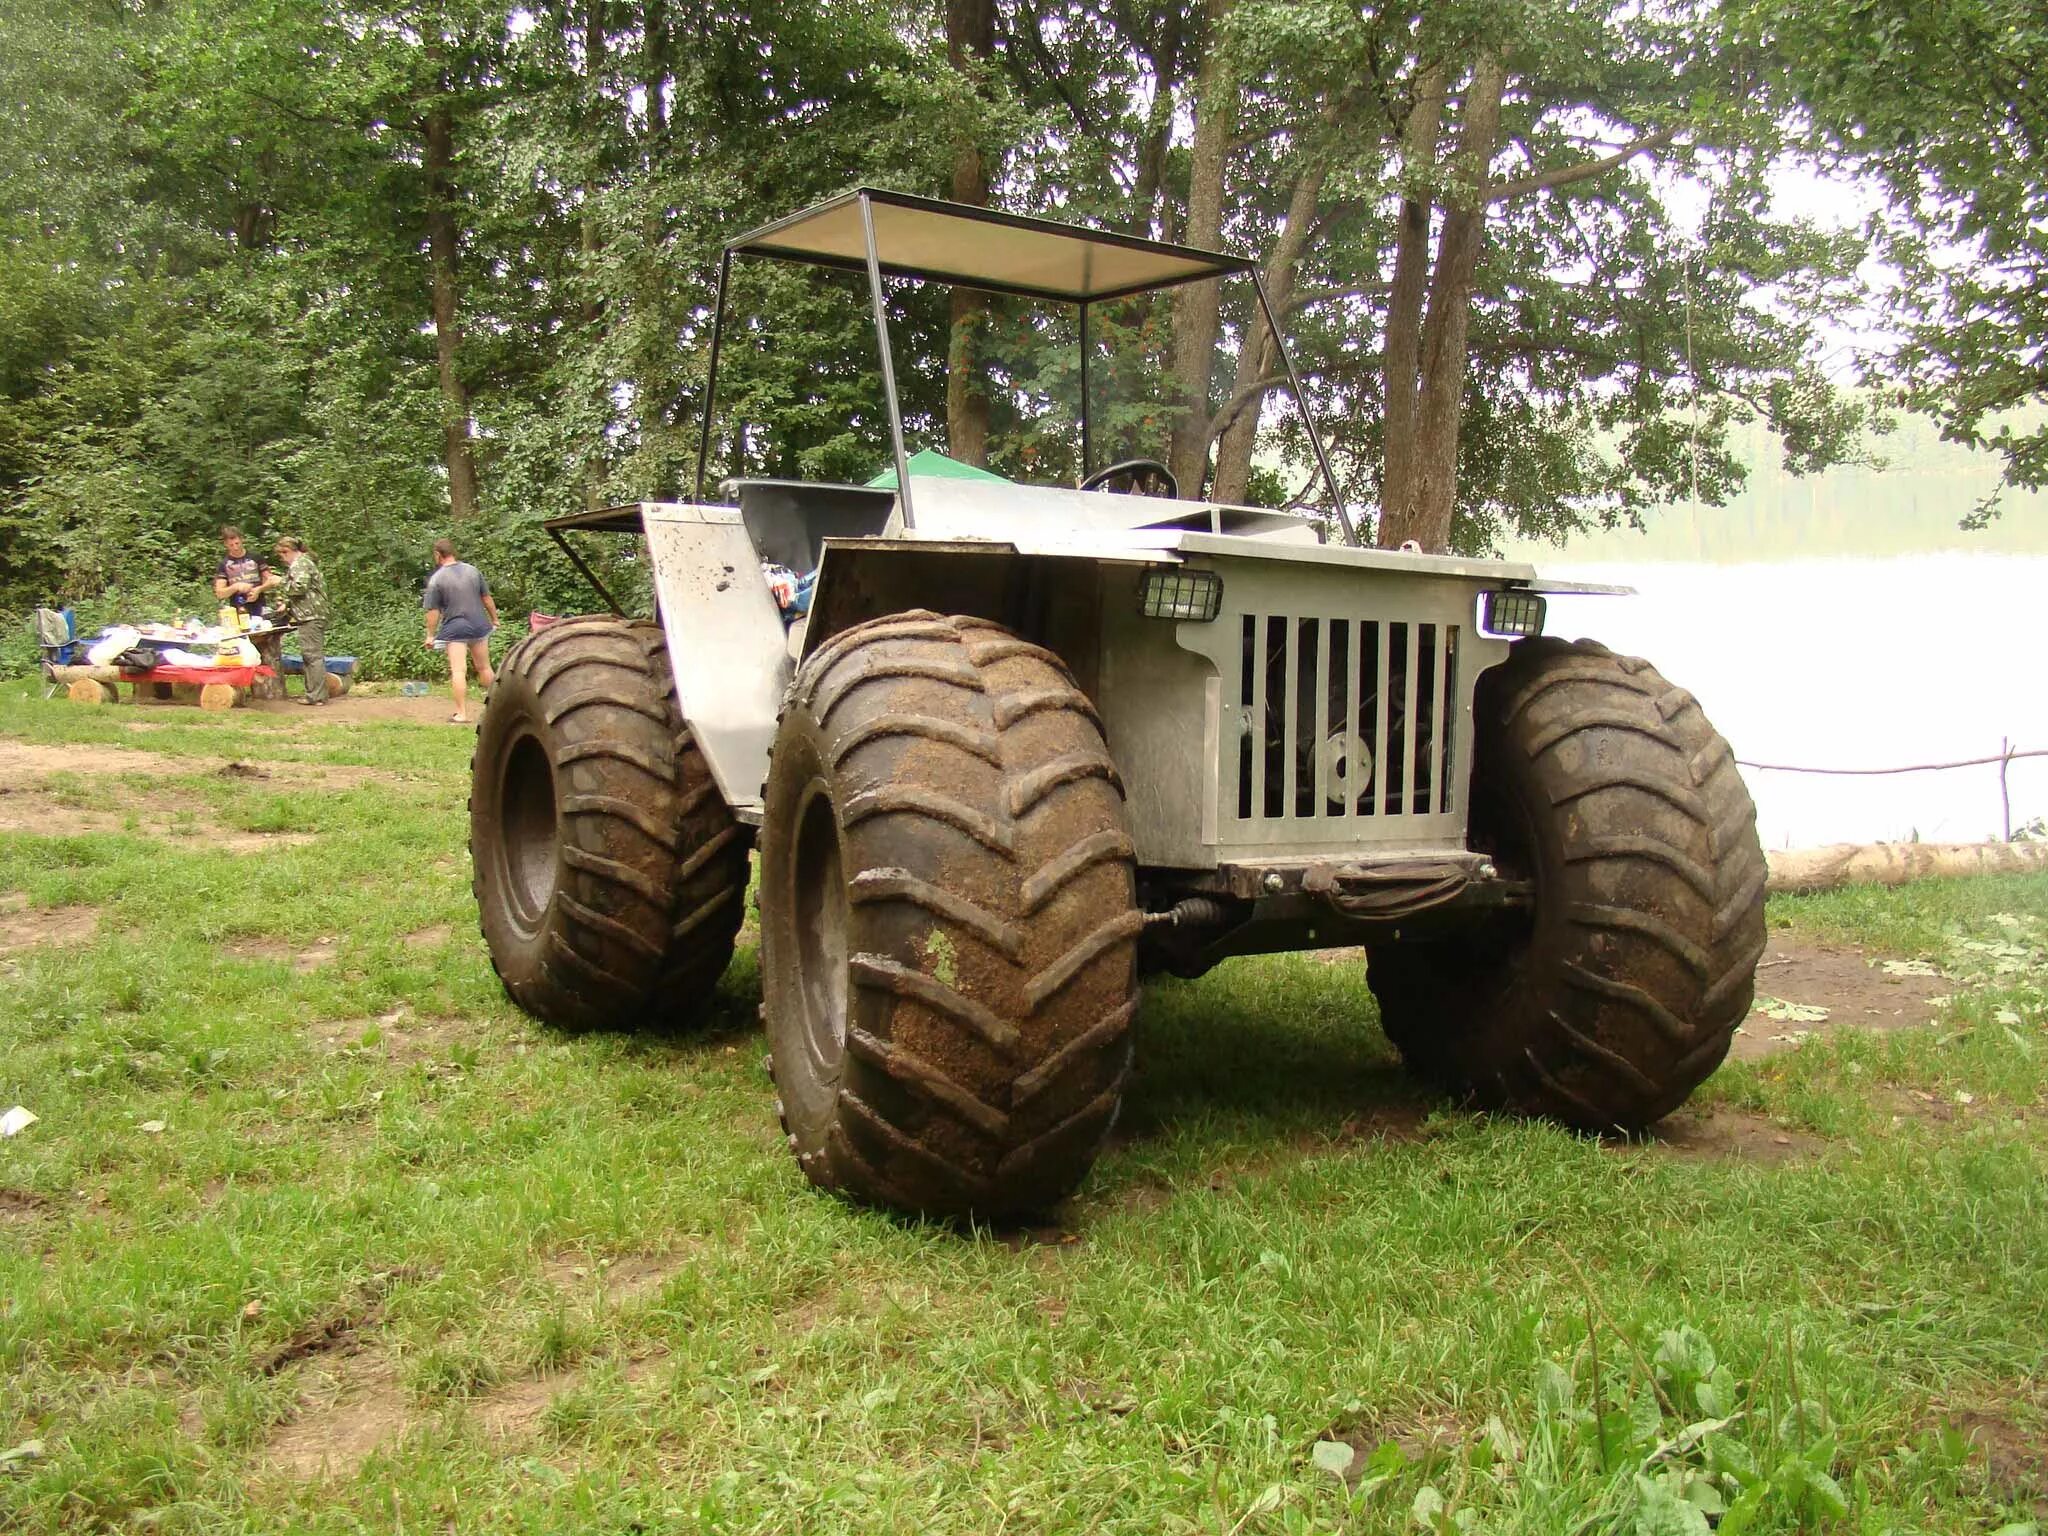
(306, 1188)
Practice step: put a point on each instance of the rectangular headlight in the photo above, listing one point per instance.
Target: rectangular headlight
(1514, 614)
(1172, 592)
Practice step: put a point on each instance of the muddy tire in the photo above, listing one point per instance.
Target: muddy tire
(609, 876)
(1597, 779)
(948, 921)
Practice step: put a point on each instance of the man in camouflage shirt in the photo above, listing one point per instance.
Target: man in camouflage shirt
(302, 596)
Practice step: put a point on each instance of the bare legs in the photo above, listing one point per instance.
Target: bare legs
(460, 654)
(458, 678)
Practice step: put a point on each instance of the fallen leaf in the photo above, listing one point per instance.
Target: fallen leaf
(1790, 1013)
(151, 1127)
(17, 1455)
(1908, 968)
(1334, 1456)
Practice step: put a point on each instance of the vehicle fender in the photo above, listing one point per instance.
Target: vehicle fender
(726, 641)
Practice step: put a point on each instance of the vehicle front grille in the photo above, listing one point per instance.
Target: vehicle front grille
(1343, 721)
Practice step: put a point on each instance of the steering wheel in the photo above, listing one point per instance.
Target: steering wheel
(1134, 473)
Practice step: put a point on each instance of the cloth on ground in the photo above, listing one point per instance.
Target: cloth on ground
(238, 677)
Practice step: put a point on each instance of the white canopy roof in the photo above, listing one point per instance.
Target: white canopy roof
(981, 248)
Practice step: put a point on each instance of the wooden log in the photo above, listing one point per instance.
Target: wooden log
(75, 672)
(86, 690)
(214, 697)
(1823, 869)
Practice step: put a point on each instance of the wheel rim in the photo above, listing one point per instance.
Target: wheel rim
(817, 902)
(526, 801)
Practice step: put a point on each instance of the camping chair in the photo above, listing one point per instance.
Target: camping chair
(57, 642)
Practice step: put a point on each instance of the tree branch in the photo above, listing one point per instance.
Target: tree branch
(1585, 170)
(1235, 406)
(1311, 296)
(1033, 38)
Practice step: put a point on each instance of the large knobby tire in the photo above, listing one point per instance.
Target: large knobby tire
(1606, 785)
(948, 920)
(610, 877)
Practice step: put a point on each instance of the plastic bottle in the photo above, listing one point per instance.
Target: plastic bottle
(227, 618)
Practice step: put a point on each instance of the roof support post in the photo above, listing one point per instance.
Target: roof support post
(591, 576)
(867, 229)
(711, 372)
(1083, 307)
(1308, 417)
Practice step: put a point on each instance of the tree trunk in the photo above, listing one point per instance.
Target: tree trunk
(1822, 869)
(442, 241)
(1426, 352)
(970, 37)
(1403, 349)
(1260, 357)
(654, 67)
(662, 438)
(1149, 215)
(593, 84)
(1445, 338)
(1196, 305)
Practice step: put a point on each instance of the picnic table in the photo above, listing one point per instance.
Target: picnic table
(269, 645)
(211, 688)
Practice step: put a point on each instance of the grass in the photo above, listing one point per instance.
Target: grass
(304, 1181)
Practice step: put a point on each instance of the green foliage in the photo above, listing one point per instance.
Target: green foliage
(218, 271)
(1943, 104)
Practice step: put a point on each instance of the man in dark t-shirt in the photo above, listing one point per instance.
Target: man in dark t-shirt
(239, 578)
(461, 615)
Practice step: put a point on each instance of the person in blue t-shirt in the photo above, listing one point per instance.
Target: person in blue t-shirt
(460, 618)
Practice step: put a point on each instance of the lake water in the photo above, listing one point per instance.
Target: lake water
(1846, 663)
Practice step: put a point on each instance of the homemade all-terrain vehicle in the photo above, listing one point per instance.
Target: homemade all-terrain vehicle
(1031, 742)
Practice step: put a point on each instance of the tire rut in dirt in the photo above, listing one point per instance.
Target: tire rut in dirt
(950, 1021)
(609, 876)
(1597, 778)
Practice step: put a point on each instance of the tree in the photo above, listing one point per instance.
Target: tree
(1465, 214)
(1944, 104)
(970, 37)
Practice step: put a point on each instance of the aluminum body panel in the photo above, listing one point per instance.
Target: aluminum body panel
(1337, 713)
(1045, 519)
(726, 641)
(1160, 704)
(1348, 557)
(1327, 708)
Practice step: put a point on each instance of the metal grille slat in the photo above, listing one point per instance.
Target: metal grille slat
(1438, 674)
(1290, 729)
(1257, 662)
(1450, 719)
(1384, 633)
(1319, 757)
(1409, 652)
(1352, 711)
